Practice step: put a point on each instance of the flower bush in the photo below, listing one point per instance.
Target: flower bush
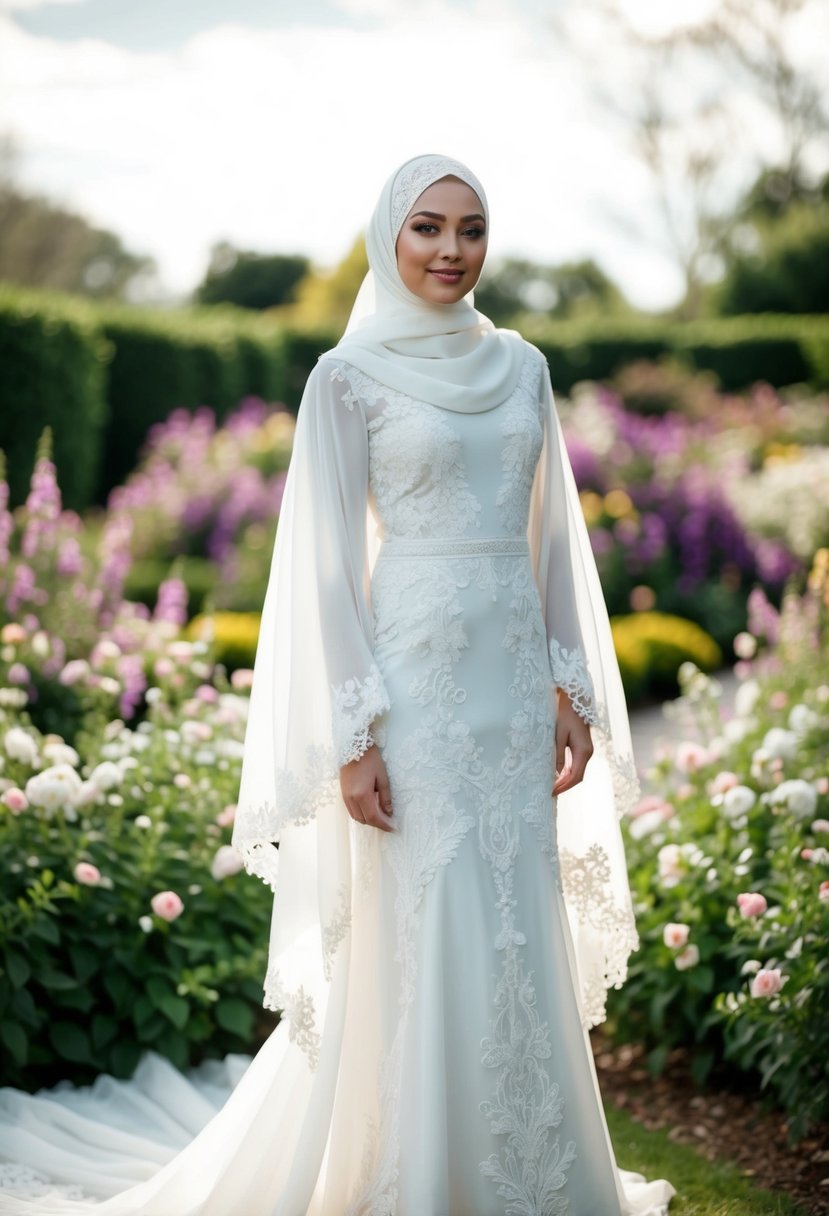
(124, 921)
(670, 498)
(211, 496)
(729, 864)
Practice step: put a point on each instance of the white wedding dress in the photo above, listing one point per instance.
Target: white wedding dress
(433, 1059)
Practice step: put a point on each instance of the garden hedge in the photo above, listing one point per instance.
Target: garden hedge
(65, 360)
(54, 359)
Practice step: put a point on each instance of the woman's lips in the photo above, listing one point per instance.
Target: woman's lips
(447, 276)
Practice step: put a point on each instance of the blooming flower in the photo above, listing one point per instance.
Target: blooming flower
(738, 801)
(780, 743)
(675, 935)
(746, 698)
(61, 753)
(802, 719)
(20, 746)
(751, 904)
(167, 905)
(226, 815)
(723, 781)
(799, 796)
(55, 788)
(226, 862)
(106, 775)
(74, 671)
(767, 982)
(820, 825)
(690, 756)
(823, 892)
(87, 874)
(689, 957)
(15, 800)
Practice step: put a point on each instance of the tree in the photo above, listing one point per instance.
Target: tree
(513, 286)
(324, 298)
(250, 280)
(44, 245)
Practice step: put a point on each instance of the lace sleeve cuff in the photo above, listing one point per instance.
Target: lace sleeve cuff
(570, 673)
(355, 704)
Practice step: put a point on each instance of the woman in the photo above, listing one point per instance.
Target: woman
(435, 668)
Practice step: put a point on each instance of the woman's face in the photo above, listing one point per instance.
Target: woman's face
(442, 243)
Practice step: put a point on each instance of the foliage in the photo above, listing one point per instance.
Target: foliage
(730, 868)
(233, 636)
(652, 646)
(124, 921)
(248, 279)
(511, 287)
(324, 298)
(54, 374)
(787, 271)
(209, 492)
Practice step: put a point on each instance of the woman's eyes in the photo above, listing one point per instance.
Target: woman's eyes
(473, 232)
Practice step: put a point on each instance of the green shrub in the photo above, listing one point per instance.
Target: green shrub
(53, 360)
(232, 636)
(91, 973)
(729, 870)
(652, 646)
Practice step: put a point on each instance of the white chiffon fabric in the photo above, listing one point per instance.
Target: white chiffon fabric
(432, 583)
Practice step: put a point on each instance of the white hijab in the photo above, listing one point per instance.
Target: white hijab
(450, 355)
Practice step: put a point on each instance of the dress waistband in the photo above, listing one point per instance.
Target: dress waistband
(451, 546)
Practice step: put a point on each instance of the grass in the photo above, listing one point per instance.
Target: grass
(704, 1188)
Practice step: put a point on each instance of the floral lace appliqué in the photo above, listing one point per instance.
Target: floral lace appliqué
(570, 673)
(355, 703)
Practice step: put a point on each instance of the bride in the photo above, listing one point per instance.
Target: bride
(436, 757)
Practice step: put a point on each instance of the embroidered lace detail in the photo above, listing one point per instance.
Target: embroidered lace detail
(570, 673)
(298, 1010)
(336, 930)
(299, 799)
(462, 546)
(412, 182)
(354, 705)
(416, 467)
(526, 1107)
(523, 434)
(586, 884)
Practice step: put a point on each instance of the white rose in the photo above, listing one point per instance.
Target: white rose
(799, 796)
(61, 753)
(106, 775)
(20, 746)
(675, 936)
(55, 788)
(644, 824)
(738, 801)
(737, 728)
(669, 860)
(802, 719)
(780, 744)
(226, 862)
(746, 698)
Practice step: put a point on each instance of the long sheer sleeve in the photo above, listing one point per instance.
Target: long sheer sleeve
(583, 663)
(316, 691)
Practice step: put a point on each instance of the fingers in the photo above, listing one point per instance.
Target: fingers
(579, 747)
(366, 793)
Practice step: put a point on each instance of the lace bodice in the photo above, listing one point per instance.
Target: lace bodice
(435, 473)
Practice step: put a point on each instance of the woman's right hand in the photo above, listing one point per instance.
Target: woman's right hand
(365, 788)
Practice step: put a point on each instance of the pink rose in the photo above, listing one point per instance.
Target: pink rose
(226, 816)
(751, 904)
(86, 873)
(182, 780)
(15, 800)
(779, 699)
(767, 983)
(690, 757)
(820, 825)
(689, 957)
(226, 862)
(823, 892)
(675, 935)
(167, 905)
(822, 785)
(241, 679)
(724, 781)
(806, 854)
(207, 693)
(18, 674)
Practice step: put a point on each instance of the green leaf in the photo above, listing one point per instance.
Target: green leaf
(71, 1042)
(177, 1009)
(14, 1038)
(235, 1015)
(702, 978)
(119, 986)
(17, 968)
(85, 962)
(701, 1065)
(45, 929)
(104, 1030)
(657, 1059)
(57, 980)
(123, 1057)
(143, 1009)
(158, 990)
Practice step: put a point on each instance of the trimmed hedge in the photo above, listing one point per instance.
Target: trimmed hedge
(162, 361)
(652, 646)
(53, 358)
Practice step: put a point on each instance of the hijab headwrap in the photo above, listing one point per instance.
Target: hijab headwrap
(450, 355)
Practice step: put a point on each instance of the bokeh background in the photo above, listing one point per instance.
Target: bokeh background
(183, 190)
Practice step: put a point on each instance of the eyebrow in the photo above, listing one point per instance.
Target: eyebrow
(434, 215)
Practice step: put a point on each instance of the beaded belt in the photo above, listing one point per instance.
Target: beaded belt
(451, 546)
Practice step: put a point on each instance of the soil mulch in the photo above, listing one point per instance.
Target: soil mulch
(720, 1123)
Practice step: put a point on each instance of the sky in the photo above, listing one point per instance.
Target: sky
(273, 124)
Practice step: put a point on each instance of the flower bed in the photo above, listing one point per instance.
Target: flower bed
(729, 863)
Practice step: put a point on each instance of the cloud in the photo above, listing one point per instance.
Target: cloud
(8, 6)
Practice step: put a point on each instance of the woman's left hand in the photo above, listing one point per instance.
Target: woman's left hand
(573, 734)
